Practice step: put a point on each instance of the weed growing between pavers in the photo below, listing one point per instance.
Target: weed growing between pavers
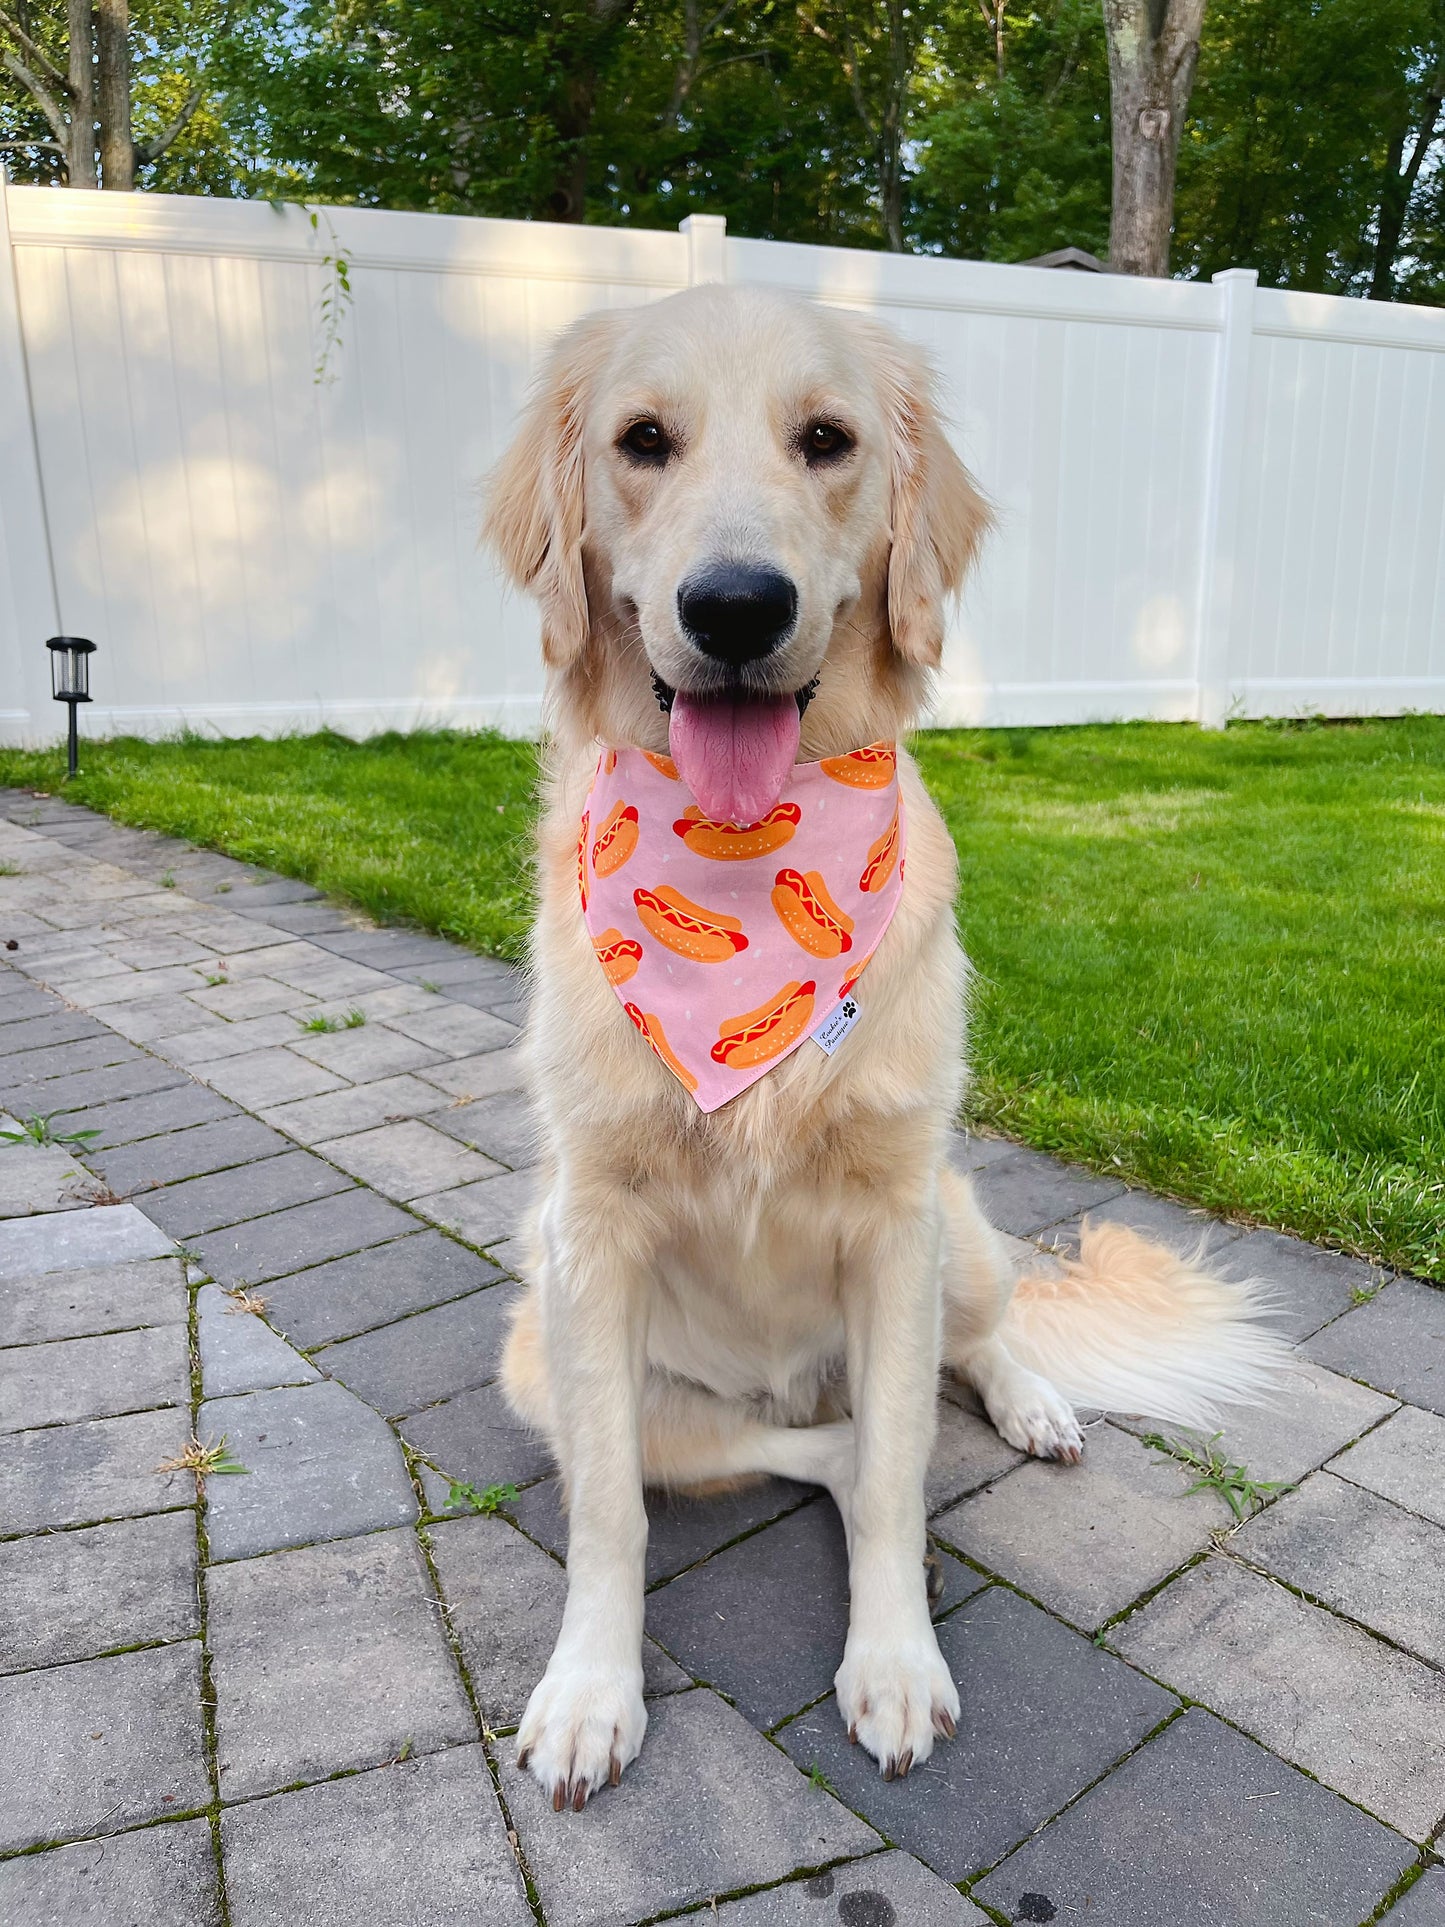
(203, 1461)
(1243, 1494)
(488, 1502)
(37, 1129)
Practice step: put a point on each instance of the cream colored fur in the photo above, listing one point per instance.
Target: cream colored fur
(772, 1288)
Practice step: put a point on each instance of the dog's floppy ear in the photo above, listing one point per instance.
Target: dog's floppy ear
(938, 518)
(535, 504)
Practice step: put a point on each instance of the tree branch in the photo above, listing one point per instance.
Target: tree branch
(52, 147)
(151, 150)
(33, 51)
(47, 103)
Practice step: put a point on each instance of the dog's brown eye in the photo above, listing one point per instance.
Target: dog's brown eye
(647, 441)
(825, 442)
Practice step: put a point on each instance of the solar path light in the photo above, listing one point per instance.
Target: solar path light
(70, 678)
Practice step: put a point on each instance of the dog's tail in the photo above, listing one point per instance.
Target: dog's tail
(1130, 1327)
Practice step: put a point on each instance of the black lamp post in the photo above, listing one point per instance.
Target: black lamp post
(70, 678)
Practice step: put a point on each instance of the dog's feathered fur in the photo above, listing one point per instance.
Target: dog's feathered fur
(772, 1288)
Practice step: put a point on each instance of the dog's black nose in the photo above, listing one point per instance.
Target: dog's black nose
(736, 611)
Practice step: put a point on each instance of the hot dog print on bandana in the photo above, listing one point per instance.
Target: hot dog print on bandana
(729, 944)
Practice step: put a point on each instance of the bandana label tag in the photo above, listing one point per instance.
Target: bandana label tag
(831, 1032)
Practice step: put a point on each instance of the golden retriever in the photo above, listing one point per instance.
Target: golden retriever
(773, 1287)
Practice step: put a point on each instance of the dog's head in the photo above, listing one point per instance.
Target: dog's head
(730, 503)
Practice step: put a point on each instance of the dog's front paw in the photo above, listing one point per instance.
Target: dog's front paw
(582, 1726)
(895, 1698)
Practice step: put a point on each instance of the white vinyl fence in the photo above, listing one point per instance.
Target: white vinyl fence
(1214, 499)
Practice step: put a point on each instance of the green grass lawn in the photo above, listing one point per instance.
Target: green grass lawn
(1212, 963)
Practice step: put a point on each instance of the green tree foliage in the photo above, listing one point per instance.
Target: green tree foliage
(1012, 126)
(1303, 111)
(992, 115)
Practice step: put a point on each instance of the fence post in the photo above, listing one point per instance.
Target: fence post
(707, 247)
(28, 609)
(1228, 430)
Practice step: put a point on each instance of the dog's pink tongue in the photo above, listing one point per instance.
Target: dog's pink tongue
(734, 752)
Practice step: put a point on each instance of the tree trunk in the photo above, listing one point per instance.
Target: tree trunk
(890, 142)
(577, 101)
(117, 145)
(1399, 186)
(1153, 51)
(80, 157)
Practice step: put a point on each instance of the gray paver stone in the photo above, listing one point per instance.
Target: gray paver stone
(192, 1153)
(1404, 1461)
(969, 1153)
(967, 1452)
(86, 1090)
(1361, 1555)
(365, 1054)
(1044, 1712)
(680, 1529)
(877, 1892)
(319, 1465)
(252, 997)
(419, 1842)
(1026, 1191)
(1179, 1227)
(265, 1078)
(58, 1027)
(104, 1235)
(326, 1658)
(407, 1160)
(1316, 1415)
(1353, 1712)
(39, 1178)
(475, 1437)
(451, 1348)
(27, 1081)
(1203, 1825)
(159, 1877)
(1087, 1539)
(76, 1378)
(239, 1351)
(227, 1197)
(473, 1078)
(73, 1595)
(135, 1118)
(104, 1469)
(503, 1125)
(1309, 1286)
(211, 1041)
(708, 1807)
(94, 1298)
(371, 1288)
(482, 1213)
(359, 1107)
(99, 1746)
(457, 1030)
(1423, 1905)
(764, 1621)
(504, 1602)
(299, 1237)
(1395, 1343)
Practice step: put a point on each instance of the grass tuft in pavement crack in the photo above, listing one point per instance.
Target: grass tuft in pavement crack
(37, 1129)
(1242, 1493)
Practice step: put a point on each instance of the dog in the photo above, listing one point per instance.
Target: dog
(742, 520)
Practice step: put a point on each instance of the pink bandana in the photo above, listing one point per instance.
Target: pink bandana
(730, 944)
